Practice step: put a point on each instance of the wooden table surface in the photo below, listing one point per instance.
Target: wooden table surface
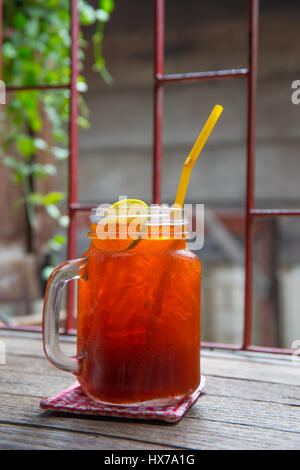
(251, 402)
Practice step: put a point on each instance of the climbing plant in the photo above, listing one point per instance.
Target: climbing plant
(36, 50)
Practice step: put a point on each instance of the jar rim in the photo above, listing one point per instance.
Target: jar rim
(147, 221)
(155, 214)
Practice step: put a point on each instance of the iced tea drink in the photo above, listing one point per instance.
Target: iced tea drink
(139, 319)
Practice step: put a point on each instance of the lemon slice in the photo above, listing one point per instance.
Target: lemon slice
(129, 209)
(128, 203)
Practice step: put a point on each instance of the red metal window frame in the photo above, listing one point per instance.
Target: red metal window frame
(250, 73)
(160, 80)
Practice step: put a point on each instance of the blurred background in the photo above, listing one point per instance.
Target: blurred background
(116, 146)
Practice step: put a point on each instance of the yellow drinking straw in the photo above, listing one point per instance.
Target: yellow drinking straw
(194, 153)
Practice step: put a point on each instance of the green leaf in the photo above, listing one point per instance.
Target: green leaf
(99, 64)
(54, 246)
(52, 3)
(53, 211)
(32, 27)
(61, 239)
(83, 122)
(47, 271)
(57, 241)
(97, 37)
(10, 161)
(35, 198)
(19, 20)
(50, 169)
(40, 144)
(25, 145)
(106, 75)
(53, 198)
(60, 153)
(60, 136)
(64, 221)
(87, 14)
(81, 87)
(8, 51)
(107, 5)
(15, 104)
(17, 177)
(102, 15)
(20, 169)
(25, 52)
(40, 171)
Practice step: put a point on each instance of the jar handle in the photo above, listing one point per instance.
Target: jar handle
(52, 303)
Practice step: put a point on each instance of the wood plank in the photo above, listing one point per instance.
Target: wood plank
(253, 390)
(286, 372)
(46, 380)
(219, 409)
(199, 433)
(30, 344)
(34, 438)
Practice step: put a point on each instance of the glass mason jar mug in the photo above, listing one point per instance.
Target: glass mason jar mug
(138, 327)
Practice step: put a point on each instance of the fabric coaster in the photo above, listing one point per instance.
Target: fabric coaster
(74, 400)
